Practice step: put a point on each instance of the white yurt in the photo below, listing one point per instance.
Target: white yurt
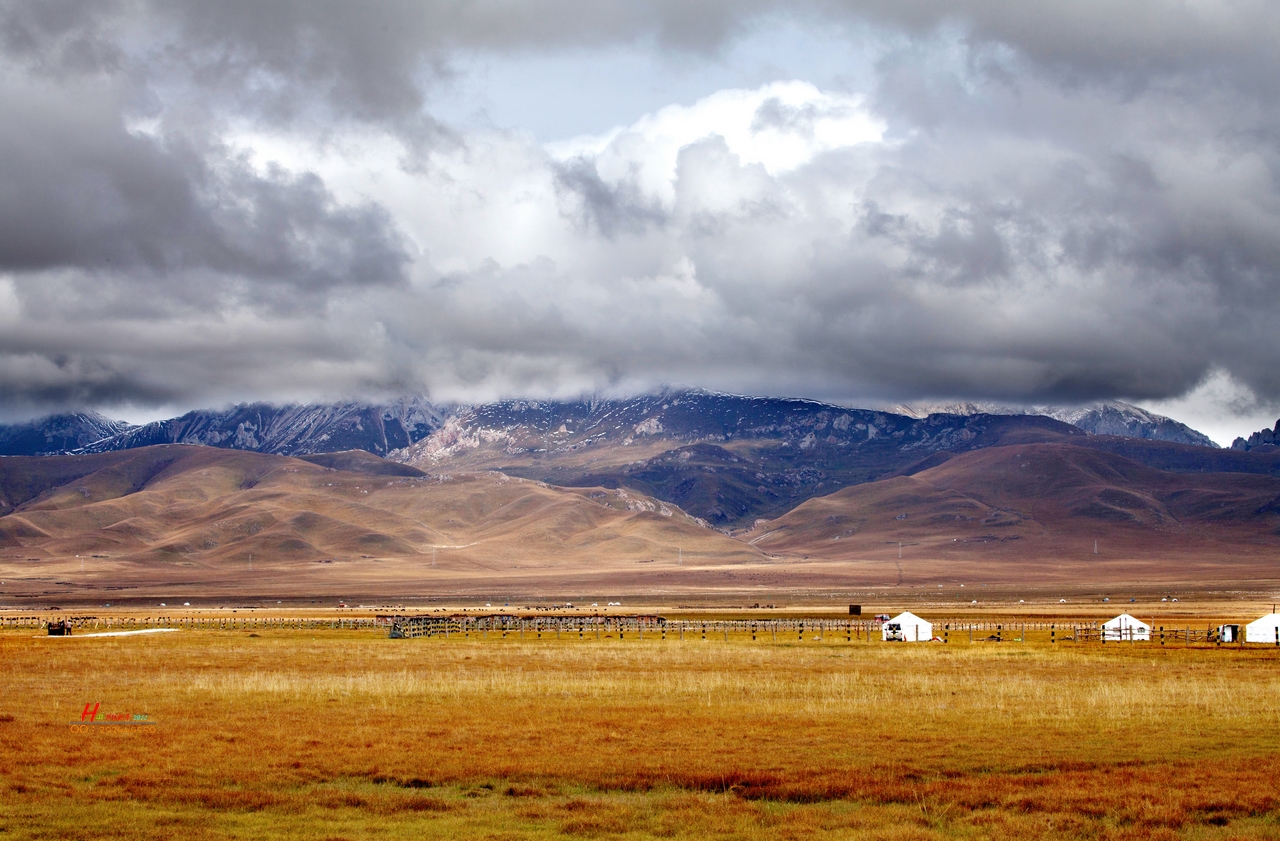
(907, 627)
(1127, 628)
(1266, 629)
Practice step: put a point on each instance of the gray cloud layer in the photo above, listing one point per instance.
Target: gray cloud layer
(1072, 202)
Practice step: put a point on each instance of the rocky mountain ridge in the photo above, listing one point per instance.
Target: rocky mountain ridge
(293, 430)
(1107, 417)
(58, 434)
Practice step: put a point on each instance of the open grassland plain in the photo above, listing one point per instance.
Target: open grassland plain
(286, 733)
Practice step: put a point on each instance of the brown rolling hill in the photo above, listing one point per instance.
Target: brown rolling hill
(181, 520)
(1034, 511)
(194, 519)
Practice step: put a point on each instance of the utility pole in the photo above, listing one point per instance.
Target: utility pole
(250, 562)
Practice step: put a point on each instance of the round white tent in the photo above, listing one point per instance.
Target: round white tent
(1266, 629)
(1127, 628)
(907, 627)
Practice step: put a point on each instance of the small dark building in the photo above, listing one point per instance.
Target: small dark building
(855, 610)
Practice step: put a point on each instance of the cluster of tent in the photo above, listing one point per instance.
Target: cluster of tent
(907, 627)
(1265, 629)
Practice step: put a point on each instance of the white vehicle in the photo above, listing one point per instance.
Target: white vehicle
(907, 627)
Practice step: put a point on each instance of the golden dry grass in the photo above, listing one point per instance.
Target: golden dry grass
(351, 735)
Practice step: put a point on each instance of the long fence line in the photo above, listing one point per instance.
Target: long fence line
(501, 622)
(421, 626)
(204, 623)
(656, 627)
(598, 627)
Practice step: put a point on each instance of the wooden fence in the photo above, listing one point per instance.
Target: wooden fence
(597, 627)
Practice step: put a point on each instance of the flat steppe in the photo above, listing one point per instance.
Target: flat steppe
(288, 732)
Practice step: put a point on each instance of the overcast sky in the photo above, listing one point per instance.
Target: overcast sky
(859, 202)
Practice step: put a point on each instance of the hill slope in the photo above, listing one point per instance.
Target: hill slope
(195, 516)
(199, 520)
(1043, 506)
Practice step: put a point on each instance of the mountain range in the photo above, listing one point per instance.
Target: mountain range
(58, 434)
(1109, 417)
(1041, 510)
(725, 459)
(380, 429)
(258, 427)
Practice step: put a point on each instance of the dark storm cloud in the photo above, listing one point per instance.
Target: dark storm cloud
(79, 191)
(1072, 201)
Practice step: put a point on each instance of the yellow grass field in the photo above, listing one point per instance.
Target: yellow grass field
(348, 734)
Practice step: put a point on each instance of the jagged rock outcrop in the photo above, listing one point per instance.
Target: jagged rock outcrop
(1262, 438)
